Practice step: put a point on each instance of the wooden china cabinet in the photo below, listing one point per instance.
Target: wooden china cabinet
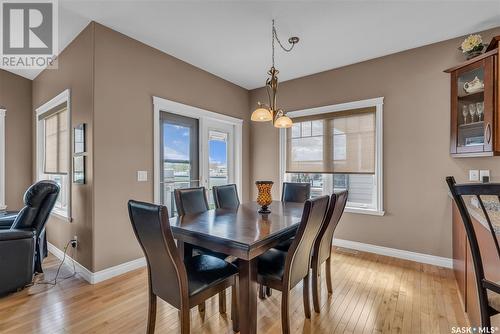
(475, 110)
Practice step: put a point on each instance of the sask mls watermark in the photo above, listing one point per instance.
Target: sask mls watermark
(28, 34)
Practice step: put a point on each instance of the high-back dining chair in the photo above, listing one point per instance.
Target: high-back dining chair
(190, 200)
(182, 284)
(295, 192)
(322, 249)
(487, 291)
(226, 196)
(283, 270)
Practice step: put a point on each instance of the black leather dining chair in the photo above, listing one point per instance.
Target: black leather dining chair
(182, 284)
(226, 196)
(487, 290)
(322, 249)
(192, 201)
(295, 192)
(283, 270)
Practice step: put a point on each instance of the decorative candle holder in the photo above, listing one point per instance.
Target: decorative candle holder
(264, 198)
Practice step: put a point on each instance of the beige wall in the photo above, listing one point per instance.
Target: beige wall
(15, 96)
(75, 72)
(127, 75)
(416, 142)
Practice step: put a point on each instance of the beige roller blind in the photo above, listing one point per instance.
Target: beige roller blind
(56, 143)
(342, 143)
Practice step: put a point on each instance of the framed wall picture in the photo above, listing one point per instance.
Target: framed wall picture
(79, 139)
(79, 169)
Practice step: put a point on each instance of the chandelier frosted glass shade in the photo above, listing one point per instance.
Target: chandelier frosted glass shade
(261, 115)
(283, 122)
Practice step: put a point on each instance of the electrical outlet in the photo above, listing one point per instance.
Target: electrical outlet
(484, 175)
(74, 242)
(473, 175)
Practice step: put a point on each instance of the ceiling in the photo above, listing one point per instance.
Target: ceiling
(232, 39)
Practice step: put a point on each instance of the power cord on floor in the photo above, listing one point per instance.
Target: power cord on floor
(54, 281)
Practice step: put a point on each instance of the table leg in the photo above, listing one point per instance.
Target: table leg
(248, 296)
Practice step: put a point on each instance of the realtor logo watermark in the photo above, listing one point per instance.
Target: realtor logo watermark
(28, 34)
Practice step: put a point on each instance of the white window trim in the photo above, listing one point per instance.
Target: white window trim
(378, 103)
(2, 159)
(63, 97)
(161, 104)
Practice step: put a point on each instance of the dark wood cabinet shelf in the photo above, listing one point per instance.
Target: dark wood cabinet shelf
(468, 136)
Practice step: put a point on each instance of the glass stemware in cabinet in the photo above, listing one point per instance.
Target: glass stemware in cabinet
(480, 110)
(472, 111)
(465, 112)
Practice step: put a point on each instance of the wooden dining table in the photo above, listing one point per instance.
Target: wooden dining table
(243, 233)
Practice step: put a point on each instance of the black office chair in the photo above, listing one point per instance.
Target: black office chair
(487, 291)
(322, 249)
(283, 270)
(182, 284)
(296, 192)
(226, 196)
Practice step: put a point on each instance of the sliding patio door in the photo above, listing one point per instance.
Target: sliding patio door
(193, 152)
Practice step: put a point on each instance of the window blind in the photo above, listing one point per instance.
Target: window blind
(56, 142)
(332, 143)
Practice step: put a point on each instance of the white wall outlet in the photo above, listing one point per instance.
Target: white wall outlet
(484, 173)
(142, 175)
(473, 175)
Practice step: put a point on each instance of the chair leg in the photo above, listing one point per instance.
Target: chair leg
(285, 316)
(261, 292)
(269, 291)
(185, 319)
(201, 308)
(315, 286)
(222, 302)
(234, 307)
(151, 313)
(305, 297)
(328, 269)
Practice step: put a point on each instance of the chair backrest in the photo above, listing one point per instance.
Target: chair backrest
(166, 271)
(323, 244)
(295, 192)
(477, 190)
(39, 200)
(226, 196)
(191, 200)
(298, 260)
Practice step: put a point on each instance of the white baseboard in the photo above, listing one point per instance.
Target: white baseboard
(99, 276)
(397, 253)
(123, 268)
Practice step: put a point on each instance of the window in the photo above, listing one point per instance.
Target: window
(337, 148)
(54, 149)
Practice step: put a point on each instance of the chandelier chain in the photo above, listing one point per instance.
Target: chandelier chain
(275, 36)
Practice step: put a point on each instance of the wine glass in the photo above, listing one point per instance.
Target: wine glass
(472, 111)
(465, 112)
(480, 110)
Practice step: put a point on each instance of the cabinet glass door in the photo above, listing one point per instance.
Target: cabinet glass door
(473, 103)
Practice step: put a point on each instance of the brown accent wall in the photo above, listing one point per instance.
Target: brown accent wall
(75, 72)
(15, 96)
(127, 76)
(416, 142)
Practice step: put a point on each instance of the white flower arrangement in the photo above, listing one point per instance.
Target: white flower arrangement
(472, 43)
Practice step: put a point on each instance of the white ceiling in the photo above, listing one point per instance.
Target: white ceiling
(232, 39)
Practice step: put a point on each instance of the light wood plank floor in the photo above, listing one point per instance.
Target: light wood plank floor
(372, 294)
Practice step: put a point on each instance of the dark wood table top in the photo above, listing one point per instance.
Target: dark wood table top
(241, 232)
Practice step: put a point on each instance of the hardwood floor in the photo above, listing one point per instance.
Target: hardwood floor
(371, 294)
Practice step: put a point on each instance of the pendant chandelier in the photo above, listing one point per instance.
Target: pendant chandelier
(271, 112)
